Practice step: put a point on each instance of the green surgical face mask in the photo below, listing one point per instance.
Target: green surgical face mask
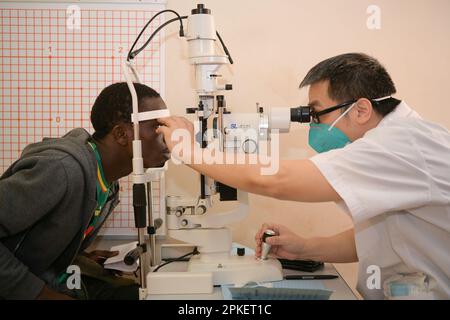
(324, 137)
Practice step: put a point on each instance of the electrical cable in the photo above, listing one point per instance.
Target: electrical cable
(132, 54)
(193, 253)
(225, 48)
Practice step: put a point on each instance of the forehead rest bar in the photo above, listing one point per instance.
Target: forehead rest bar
(150, 115)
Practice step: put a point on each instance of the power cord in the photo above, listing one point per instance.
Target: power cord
(193, 253)
(132, 54)
(225, 49)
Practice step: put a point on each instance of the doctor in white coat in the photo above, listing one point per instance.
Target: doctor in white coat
(381, 162)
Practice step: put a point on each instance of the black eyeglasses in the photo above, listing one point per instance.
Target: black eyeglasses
(307, 114)
(316, 115)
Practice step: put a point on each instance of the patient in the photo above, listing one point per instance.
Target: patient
(57, 195)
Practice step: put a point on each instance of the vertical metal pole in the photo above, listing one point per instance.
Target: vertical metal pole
(140, 215)
(204, 123)
(151, 224)
(220, 110)
(142, 266)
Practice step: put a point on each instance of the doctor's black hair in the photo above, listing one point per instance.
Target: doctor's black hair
(353, 76)
(114, 106)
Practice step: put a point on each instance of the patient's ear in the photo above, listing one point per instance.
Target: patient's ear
(122, 134)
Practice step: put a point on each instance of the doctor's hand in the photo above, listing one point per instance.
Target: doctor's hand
(171, 125)
(285, 245)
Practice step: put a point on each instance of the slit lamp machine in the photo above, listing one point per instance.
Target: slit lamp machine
(189, 220)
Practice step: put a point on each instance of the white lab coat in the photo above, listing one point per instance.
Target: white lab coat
(395, 184)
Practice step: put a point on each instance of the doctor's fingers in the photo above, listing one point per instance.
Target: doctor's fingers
(163, 130)
(186, 122)
(168, 122)
(178, 122)
(167, 133)
(188, 125)
(259, 233)
(269, 226)
(275, 252)
(277, 241)
(258, 251)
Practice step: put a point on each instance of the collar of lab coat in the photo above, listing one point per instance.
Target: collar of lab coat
(402, 111)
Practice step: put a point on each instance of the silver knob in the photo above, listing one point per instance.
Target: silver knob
(201, 210)
(178, 213)
(250, 146)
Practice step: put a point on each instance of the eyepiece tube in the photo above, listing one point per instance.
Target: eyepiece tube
(301, 114)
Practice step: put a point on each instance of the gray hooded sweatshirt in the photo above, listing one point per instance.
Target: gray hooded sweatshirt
(47, 199)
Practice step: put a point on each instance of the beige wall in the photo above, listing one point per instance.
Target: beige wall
(274, 43)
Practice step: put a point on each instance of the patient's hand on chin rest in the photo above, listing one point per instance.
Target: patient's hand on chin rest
(284, 245)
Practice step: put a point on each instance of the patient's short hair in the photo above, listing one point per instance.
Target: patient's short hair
(114, 106)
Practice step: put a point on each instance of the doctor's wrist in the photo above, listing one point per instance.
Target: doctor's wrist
(312, 250)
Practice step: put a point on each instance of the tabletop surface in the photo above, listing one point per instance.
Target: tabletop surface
(341, 290)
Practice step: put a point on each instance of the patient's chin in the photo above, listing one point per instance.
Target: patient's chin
(156, 164)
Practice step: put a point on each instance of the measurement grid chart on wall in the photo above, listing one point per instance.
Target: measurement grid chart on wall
(55, 59)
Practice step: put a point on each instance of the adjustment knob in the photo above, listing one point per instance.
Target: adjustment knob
(249, 146)
(179, 213)
(200, 210)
